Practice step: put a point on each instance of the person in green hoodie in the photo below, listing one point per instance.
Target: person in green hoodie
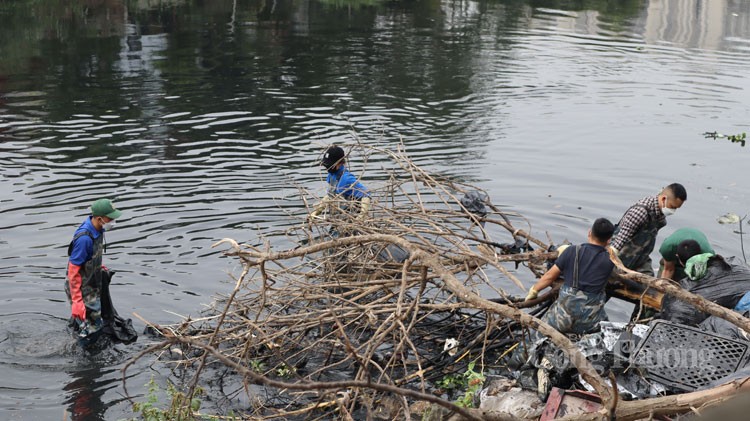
(721, 280)
(669, 268)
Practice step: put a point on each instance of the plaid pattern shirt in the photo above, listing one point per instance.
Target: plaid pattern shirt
(634, 219)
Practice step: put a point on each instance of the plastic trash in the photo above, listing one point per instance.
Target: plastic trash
(630, 385)
(723, 327)
(503, 395)
(451, 346)
(392, 253)
(744, 304)
(474, 201)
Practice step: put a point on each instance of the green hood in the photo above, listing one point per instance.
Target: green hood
(696, 266)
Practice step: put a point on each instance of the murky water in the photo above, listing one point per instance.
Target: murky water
(201, 119)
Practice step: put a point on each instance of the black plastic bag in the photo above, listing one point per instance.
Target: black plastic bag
(725, 282)
(474, 202)
(392, 253)
(118, 329)
(723, 327)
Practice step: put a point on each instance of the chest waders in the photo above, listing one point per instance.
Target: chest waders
(342, 207)
(635, 253)
(575, 310)
(337, 211)
(91, 282)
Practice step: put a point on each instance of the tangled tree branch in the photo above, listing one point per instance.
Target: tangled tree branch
(367, 307)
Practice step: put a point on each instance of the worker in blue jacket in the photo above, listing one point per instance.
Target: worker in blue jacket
(343, 184)
(85, 270)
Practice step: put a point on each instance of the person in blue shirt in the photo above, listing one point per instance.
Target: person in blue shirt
(586, 269)
(342, 183)
(85, 270)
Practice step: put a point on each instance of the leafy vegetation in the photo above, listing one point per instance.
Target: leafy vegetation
(470, 381)
(257, 366)
(179, 409)
(734, 138)
(285, 371)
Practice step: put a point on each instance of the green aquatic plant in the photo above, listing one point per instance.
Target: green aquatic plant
(179, 409)
(284, 371)
(257, 366)
(470, 381)
(734, 138)
(451, 382)
(474, 383)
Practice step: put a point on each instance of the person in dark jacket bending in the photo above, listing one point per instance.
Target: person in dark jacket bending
(586, 268)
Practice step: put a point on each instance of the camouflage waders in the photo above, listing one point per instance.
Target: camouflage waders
(91, 282)
(576, 311)
(635, 254)
(343, 205)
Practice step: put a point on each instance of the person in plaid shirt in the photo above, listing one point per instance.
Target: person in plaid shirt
(635, 234)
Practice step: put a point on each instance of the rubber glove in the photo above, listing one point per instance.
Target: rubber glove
(364, 208)
(78, 309)
(532, 294)
(561, 249)
(320, 207)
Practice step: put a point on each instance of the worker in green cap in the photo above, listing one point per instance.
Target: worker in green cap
(85, 270)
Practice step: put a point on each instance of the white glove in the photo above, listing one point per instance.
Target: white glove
(320, 207)
(532, 294)
(364, 207)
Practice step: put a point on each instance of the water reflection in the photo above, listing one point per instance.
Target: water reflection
(85, 393)
(94, 383)
(704, 25)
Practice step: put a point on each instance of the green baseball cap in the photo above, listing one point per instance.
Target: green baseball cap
(104, 207)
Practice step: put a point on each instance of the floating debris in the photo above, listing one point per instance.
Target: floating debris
(728, 219)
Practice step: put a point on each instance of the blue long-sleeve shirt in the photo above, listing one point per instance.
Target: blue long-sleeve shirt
(344, 183)
(83, 247)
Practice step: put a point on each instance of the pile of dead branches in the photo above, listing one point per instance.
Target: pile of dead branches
(365, 316)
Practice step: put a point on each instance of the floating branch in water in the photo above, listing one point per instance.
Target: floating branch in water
(734, 138)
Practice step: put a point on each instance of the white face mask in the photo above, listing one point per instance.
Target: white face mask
(667, 211)
(109, 225)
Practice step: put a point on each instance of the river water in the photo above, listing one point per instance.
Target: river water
(201, 119)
